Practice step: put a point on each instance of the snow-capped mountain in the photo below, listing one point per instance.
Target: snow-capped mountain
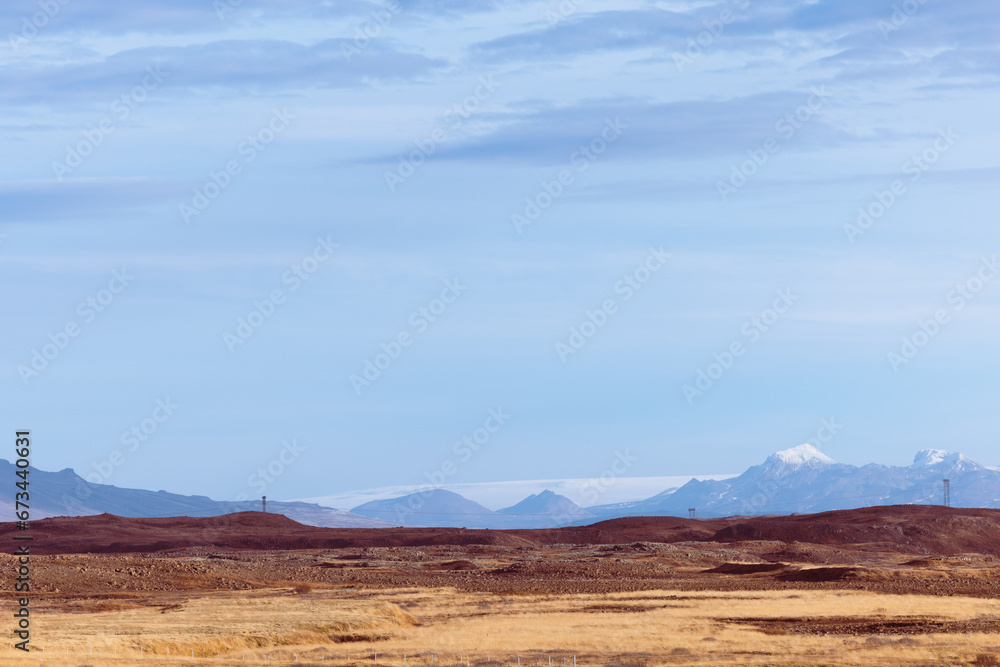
(803, 479)
(929, 457)
(796, 457)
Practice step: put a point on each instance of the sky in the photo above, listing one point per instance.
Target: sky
(299, 248)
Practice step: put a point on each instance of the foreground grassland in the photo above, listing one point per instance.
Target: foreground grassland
(418, 627)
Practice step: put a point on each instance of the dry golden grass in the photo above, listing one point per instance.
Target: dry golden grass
(421, 628)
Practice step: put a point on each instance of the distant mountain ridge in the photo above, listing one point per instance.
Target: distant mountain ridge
(435, 507)
(65, 493)
(548, 509)
(804, 479)
(438, 507)
(584, 491)
(797, 480)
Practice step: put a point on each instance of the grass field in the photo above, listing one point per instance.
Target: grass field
(426, 627)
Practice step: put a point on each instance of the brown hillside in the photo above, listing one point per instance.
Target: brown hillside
(918, 529)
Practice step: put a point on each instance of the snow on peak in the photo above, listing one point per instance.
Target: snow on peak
(929, 457)
(800, 455)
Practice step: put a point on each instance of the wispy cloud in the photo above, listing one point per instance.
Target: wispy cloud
(107, 17)
(228, 67)
(666, 130)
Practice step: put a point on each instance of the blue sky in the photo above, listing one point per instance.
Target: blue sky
(260, 198)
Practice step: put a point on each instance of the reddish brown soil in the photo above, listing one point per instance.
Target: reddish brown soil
(923, 529)
(903, 549)
(916, 529)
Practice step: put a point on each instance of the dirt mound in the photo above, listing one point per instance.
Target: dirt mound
(952, 561)
(745, 568)
(455, 565)
(820, 574)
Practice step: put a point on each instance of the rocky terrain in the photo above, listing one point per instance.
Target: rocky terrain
(902, 549)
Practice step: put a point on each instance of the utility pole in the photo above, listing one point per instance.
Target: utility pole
(691, 512)
(947, 493)
(263, 503)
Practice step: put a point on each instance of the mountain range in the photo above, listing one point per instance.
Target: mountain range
(438, 507)
(803, 479)
(65, 493)
(797, 480)
(584, 491)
